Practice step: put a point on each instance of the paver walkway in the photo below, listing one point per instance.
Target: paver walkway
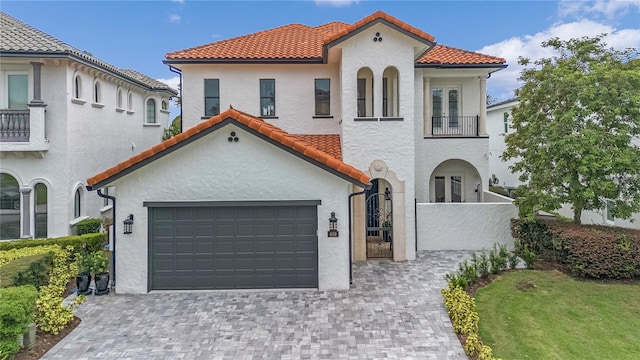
(392, 311)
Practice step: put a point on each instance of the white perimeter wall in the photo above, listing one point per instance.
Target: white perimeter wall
(213, 169)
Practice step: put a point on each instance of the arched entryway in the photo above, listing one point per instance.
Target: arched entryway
(379, 219)
(454, 181)
(9, 207)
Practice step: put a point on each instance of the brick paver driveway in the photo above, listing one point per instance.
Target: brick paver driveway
(393, 310)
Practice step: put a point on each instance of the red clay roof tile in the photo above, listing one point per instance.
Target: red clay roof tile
(302, 42)
(324, 149)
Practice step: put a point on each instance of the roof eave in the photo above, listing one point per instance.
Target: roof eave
(317, 60)
(461, 66)
(71, 56)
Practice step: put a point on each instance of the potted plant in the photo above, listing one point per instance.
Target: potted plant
(100, 272)
(83, 279)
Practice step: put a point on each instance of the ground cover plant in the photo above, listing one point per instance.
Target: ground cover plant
(549, 315)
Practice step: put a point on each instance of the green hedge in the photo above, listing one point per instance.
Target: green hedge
(30, 270)
(88, 226)
(17, 307)
(86, 242)
(588, 250)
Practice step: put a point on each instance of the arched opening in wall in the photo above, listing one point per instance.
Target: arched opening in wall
(40, 210)
(77, 203)
(390, 99)
(151, 111)
(365, 92)
(9, 207)
(129, 101)
(379, 219)
(455, 181)
(97, 95)
(119, 99)
(77, 87)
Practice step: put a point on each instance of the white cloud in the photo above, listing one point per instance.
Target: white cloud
(173, 82)
(336, 3)
(502, 83)
(174, 18)
(608, 8)
(178, 1)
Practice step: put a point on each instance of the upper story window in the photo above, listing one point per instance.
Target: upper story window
(130, 101)
(77, 87)
(390, 100)
(211, 97)
(445, 105)
(151, 111)
(97, 95)
(40, 210)
(164, 105)
(323, 96)
(267, 97)
(365, 92)
(506, 122)
(119, 99)
(17, 91)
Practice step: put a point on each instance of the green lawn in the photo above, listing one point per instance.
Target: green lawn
(559, 318)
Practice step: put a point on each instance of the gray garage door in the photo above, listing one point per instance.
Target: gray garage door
(233, 247)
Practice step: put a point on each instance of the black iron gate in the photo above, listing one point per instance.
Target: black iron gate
(379, 219)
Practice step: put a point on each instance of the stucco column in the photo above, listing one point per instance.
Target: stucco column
(427, 106)
(25, 209)
(483, 106)
(37, 84)
(358, 226)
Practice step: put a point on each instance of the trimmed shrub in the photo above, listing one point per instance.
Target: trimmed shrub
(17, 305)
(88, 226)
(588, 250)
(29, 270)
(85, 242)
(499, 190)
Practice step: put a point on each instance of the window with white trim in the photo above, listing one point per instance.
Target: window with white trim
(390, 100)
(364, 93)
(77, 202)
(323, 96)
(40, 210)
(77, 87)
(119, 99)
(97, 95)
(17, 91)
(211, 97)
(267, 97)
(151, 111)
(130, 101)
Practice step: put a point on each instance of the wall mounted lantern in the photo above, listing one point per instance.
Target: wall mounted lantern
(333, 226)
(128, 224)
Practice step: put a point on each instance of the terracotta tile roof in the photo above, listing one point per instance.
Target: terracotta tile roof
(17, 37)
(302, 144)
(375, 16)
(441, 54)
(301, 42)
(327, 143)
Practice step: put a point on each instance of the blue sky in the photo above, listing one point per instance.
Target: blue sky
(137, 34)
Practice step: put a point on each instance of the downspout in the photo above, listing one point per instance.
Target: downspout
(113, 251)
(350, 235)
(177, 71)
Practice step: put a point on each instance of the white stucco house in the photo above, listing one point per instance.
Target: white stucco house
(498, 125)
(65, 115)
(372, 125)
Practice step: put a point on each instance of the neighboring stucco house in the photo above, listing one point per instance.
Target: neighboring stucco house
(65, 115)
(372, 122)
(498, 125)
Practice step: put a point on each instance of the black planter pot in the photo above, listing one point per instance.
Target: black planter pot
(83, 282)
(102, 283)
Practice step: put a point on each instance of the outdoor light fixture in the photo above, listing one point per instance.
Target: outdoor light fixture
(387, 194)
(333, 226)
(128, 224)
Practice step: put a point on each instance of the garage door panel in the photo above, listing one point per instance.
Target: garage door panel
(233, 247)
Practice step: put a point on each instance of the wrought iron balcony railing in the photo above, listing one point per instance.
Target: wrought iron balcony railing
(455, 126)
(14, 126)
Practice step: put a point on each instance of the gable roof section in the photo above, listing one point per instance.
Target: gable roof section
(327, 143)
(21, 40)
(298, 145)
(298, 43)
(447, 56)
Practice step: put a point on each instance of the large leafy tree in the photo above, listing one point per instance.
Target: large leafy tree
(577, 129)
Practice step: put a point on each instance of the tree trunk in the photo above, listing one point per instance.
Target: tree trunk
(577, 214)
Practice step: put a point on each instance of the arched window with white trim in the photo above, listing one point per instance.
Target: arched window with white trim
(41, 194)
(390, 100)
(77, 203)
(364, 92)
(10, 207)
(151, 111)
(77, 87)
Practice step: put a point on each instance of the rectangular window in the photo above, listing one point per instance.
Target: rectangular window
(18, 87)
(436, 101)
(211, 97)
(105, 201)
(506, 122)
(267, 97)
(453, 108)
(362, 97)
(323, 96)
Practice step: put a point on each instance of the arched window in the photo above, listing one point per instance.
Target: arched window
(77, 199)
(130, 101)
(97, 96)
(164, 105)
(10, 207)
(365, 92)
(151, 111)
(40, 210)
(390, 100)
(119, 99)
(77, 87)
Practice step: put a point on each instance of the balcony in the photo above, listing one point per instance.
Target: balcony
(455, 126)
(23, 131)
(14, 125)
